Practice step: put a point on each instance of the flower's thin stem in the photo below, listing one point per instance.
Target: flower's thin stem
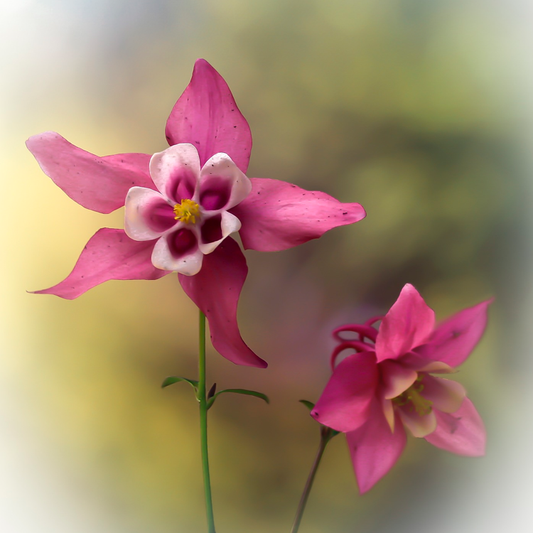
(202, 398)
(325, 437)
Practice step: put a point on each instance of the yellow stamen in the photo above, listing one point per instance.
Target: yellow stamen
(412, 396)
(187, 211)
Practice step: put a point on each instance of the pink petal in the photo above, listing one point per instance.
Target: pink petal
(461, 432)
(109, 254)
(445, 394)
(345, 402)
(374, 448)
(222, 184)
(207, 116)
(395, 378)
(178, 251)
(279, 215)
(96, 183)
(408, 324)
(419, 425)
(215, 290)
(454, 339)
(175, 171)
(218, 228)
(147, 215)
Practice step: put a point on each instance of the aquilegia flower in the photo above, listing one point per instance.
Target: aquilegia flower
(183, 203)
(387, 385)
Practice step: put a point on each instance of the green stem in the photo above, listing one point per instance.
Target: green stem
(202, 398)
(325, 437)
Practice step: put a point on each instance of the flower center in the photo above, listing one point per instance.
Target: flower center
(187, 211)
(412, 396)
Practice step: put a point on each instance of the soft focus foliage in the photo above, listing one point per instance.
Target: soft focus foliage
(420, 111)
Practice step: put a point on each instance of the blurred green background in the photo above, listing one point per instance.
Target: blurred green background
(418, 109)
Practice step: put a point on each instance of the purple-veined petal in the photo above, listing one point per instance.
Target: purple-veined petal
(419, 425)
(395, 378)
(222, 184)
(446, 395)
(223, 225)
(147, 215)
(215, 290)
(96, 183)
(454, 339)
(109, 254)
(345, 401)
(461, 432)
(175, 171)
(408, 324)
(374, 448)
(178, 251)
(207, 116)
(279, 215)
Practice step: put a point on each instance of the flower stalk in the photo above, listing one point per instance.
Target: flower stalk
(202, 399)
(326, 434)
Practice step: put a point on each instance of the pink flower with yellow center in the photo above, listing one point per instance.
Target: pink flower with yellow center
(388, 385)
(182, 205)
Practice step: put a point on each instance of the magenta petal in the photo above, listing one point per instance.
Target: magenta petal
(96, 183)
(345, 401)
(461, 432)
(109, 254)
(454, 339)
(374, 448)
(215, 290)
(408, 324)
(279, 215)
(207, 116)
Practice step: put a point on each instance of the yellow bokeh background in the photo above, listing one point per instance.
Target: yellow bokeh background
(420, 110)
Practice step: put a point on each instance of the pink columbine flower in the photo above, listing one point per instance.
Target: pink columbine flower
(183, 203)
(387, 385)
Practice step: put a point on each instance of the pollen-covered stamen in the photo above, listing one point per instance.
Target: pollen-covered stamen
(187, 211)
(413, 397)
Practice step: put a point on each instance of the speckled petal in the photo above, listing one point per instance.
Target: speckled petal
(109, 254)
(279, 215)
(207, 116)
(215, 290)
(96, 183)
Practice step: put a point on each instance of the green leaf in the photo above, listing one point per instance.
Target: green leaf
(176, 379)
(308, 404)
(239, 391)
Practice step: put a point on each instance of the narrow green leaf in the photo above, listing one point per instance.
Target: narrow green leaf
(308, 404)
(176, 379)
(239, 391)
